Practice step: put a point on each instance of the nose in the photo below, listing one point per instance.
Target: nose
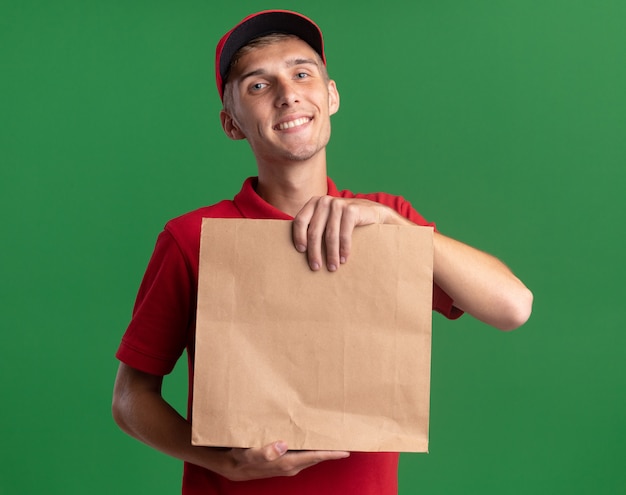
(286, 93)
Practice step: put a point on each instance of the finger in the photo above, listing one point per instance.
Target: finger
(316, 232)
(310, 458)
(300, 224)
(332, 235)
(308, 229)
(294, 462)
(316, 456)
(348, 222)
(274, 460)
(268, 453)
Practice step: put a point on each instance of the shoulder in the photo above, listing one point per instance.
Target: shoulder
(192, 220)
(185, 229)
(398, 203)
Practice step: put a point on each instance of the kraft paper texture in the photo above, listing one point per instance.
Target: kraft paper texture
(323, 361)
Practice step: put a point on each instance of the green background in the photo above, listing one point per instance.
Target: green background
(503, 121)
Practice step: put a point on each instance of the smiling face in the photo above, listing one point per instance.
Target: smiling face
(279, 98)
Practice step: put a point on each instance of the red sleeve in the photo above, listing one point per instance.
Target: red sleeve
(164, 312)
(442, 302)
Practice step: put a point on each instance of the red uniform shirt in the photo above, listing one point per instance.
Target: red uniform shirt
(163, 326)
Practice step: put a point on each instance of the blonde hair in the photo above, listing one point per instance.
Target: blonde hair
(262, 41)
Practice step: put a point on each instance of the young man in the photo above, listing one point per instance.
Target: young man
(272, 78)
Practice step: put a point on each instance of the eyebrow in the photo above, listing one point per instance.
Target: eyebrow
(290, 63)
(301, 61)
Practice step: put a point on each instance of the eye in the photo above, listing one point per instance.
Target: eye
(258, 86)
(301, 75)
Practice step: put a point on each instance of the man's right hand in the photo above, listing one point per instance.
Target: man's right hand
(140, 410)
(272, 460)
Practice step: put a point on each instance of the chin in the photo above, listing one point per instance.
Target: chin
(302, 154)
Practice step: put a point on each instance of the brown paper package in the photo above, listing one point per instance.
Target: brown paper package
(321, 360)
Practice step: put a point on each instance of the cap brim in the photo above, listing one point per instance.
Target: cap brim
(261, 24)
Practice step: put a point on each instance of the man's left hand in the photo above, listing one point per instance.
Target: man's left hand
(325, 224)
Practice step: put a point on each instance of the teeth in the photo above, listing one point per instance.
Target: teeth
(293, 123)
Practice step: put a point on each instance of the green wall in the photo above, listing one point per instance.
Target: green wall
(503, 121)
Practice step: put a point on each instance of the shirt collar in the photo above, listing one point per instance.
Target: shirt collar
(251, 205)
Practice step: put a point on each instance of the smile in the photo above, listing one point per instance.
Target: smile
(292, 123)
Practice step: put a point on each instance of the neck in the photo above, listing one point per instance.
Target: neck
(288, 187)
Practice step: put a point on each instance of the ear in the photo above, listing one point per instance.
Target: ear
(333, 98)
(230, 126)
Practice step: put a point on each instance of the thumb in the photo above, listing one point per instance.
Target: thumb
(280, 448)
(270, 452)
